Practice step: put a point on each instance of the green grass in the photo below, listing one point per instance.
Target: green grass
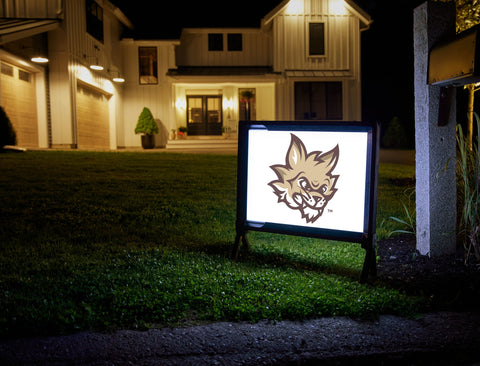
(99, 241)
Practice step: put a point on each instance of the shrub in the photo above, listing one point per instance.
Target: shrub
(146, 123)
(468, 180)
(8, 135)
(395, 136)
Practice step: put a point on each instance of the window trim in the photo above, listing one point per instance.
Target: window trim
(308, 39)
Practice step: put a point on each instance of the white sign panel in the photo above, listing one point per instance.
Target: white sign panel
(314, 179)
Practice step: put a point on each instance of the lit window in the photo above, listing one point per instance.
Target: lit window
(316, 45)
(147, 65)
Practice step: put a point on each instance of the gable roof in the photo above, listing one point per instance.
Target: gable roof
(365, 19)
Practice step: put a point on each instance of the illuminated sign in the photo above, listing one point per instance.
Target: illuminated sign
(313, 179)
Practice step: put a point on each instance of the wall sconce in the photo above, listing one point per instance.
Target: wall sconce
(39, 59)
(39, 47)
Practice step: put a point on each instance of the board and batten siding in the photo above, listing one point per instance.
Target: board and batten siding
(156, 97)
(193, 48)
(291, 45)
(71, 51)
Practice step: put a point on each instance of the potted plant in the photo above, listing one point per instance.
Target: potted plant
(182, 132)
(146, 124)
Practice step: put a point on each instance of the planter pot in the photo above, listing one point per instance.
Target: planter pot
(148, 141)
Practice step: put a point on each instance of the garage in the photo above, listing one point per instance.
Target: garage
(92, 118)
(18, 99)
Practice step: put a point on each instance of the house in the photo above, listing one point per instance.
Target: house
(302, 63)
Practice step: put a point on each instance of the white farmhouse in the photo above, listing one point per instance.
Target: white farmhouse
(303, 63)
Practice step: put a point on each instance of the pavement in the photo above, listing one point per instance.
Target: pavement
(429, 339)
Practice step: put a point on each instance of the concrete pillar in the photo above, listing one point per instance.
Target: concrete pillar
(434, 145)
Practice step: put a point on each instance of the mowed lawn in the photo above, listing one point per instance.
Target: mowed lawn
(108, 240)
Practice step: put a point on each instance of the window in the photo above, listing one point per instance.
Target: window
(94, 20)
(318, 101)
(24, 75)
(147, 65)
(215, 42)
(234, 41)
(7, 69)
(316, 45)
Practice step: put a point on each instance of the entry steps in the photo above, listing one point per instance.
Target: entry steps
(189, 143)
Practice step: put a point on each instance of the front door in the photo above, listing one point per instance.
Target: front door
(204, 115)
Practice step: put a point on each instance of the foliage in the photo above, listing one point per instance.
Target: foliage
(146, 123)
(103, 241)
(395, 136)
(468, 171)
(8, 135)
(408, 220)
(468, 13)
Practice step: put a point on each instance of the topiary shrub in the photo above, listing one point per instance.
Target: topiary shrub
(146, 123)
(8, 135)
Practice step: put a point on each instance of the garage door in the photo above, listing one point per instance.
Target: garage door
(18, 99)
(92, 119)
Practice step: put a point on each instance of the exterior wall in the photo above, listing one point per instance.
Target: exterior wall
(38, 9)
(157, 97)
(342, 52)
(193, 48)
(71, 51)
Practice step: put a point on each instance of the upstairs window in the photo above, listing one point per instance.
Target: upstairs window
(215, 42)
(147, 65)
(316, 38)
(235, 42)
(94, 20)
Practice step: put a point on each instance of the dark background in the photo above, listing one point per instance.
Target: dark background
(387, 47)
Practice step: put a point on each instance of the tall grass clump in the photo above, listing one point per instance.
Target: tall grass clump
(468, 180)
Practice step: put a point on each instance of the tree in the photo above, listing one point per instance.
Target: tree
(468, 15)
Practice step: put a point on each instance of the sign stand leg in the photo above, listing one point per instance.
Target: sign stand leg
(370, 263)
(240, 242)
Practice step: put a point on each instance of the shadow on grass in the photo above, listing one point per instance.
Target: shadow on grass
(276, 260)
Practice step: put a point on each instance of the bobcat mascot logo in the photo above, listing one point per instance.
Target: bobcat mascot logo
(306, 182)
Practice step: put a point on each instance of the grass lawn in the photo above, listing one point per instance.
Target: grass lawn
(99, 241)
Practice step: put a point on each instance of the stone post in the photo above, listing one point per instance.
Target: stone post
(435, 145)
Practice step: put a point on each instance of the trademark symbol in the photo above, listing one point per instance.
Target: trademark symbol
(330, 211)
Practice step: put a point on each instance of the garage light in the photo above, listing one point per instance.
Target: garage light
(39, 59)
(96, 67)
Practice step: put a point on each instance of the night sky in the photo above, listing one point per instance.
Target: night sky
(387, 47)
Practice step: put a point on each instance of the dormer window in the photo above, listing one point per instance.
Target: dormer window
(316, 39)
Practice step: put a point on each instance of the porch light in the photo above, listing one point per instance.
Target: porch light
(96, 66)
(39, 59)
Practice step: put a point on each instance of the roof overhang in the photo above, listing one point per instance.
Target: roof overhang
(15, 29)
(365, 19)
